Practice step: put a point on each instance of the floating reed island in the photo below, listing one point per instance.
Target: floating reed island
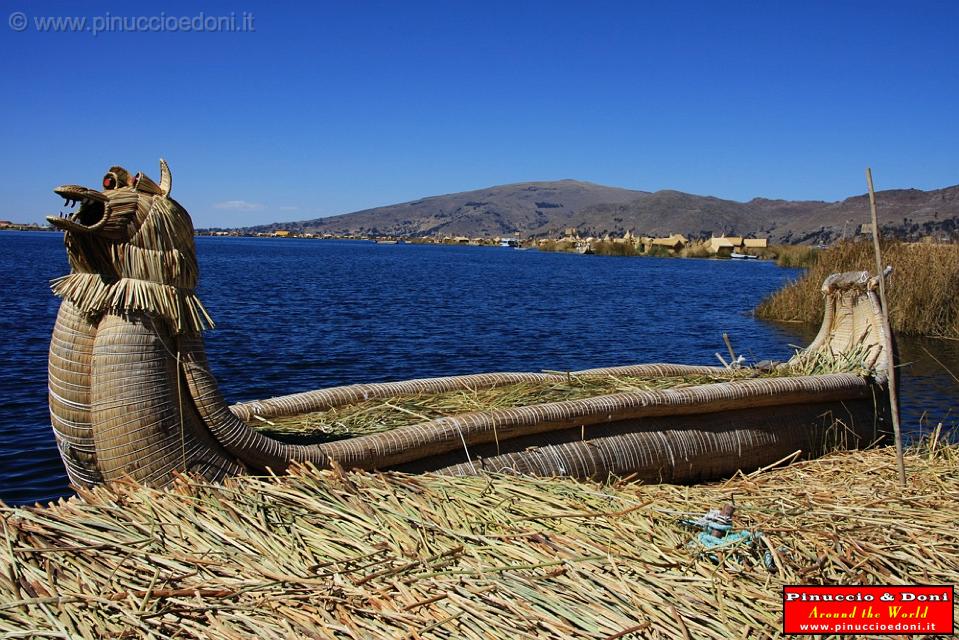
(132, 397)
(328, 554)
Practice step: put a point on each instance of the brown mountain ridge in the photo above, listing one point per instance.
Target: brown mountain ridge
(541, 209)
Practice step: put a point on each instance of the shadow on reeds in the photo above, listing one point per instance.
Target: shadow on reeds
(923, 292)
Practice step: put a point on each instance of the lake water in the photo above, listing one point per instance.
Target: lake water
(294, 315)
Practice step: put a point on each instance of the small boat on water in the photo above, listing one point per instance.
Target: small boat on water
(735, 255)
(131, 394)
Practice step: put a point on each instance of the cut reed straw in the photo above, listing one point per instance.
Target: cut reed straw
(325, 554)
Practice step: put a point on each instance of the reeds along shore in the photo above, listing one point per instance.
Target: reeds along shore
(923, 292)
(334, 555)
(785, 255)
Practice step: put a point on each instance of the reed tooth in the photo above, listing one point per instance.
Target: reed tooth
(166, 180)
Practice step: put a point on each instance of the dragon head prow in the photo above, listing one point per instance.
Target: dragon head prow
(131, 249)
(111, 211)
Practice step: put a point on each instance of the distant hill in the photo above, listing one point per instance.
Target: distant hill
(547, 208)
(526, 207)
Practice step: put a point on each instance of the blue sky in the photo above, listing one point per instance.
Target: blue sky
(332, 107)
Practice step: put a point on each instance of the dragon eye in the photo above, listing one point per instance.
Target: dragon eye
(110, 180)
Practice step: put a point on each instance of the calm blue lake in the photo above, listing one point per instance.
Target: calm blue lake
(294, 315)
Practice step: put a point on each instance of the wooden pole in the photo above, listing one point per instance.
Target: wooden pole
(729, 345)
(890, 363)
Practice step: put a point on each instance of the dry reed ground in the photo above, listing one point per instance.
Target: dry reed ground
(923, 292)
(328, 554)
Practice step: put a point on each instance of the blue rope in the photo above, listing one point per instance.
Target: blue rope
(710, 541)
(714, 520)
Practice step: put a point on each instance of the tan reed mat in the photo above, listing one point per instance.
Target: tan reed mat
(331, 555)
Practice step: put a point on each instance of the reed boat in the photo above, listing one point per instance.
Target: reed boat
(131, 394)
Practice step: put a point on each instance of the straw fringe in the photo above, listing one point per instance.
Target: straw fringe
(86, 291)
(92, 295)
(156, 269)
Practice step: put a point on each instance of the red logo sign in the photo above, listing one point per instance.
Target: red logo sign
(868, 610)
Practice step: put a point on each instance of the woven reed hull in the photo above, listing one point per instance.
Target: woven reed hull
(144, 395)
(454, 433)
(146, 426)
(68, 381)
(675, 449)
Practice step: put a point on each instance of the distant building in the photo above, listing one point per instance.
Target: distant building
(281, 233)
(723, 245)
(674, 242)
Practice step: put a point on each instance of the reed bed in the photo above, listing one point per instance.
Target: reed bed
(789, 255)
(923, 292)
(696, 249)
(326, 554)
(556, 245)
(611, 248)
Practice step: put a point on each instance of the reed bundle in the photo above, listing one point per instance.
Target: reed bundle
(380, 415)
(334, 555)
(816, 362)
(376, 416)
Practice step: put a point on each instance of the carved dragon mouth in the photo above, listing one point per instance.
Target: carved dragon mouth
(91, 215)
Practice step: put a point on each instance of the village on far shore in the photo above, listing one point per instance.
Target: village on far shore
(674, 244)
(629, 243)
(569, 241)
(6, 225)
